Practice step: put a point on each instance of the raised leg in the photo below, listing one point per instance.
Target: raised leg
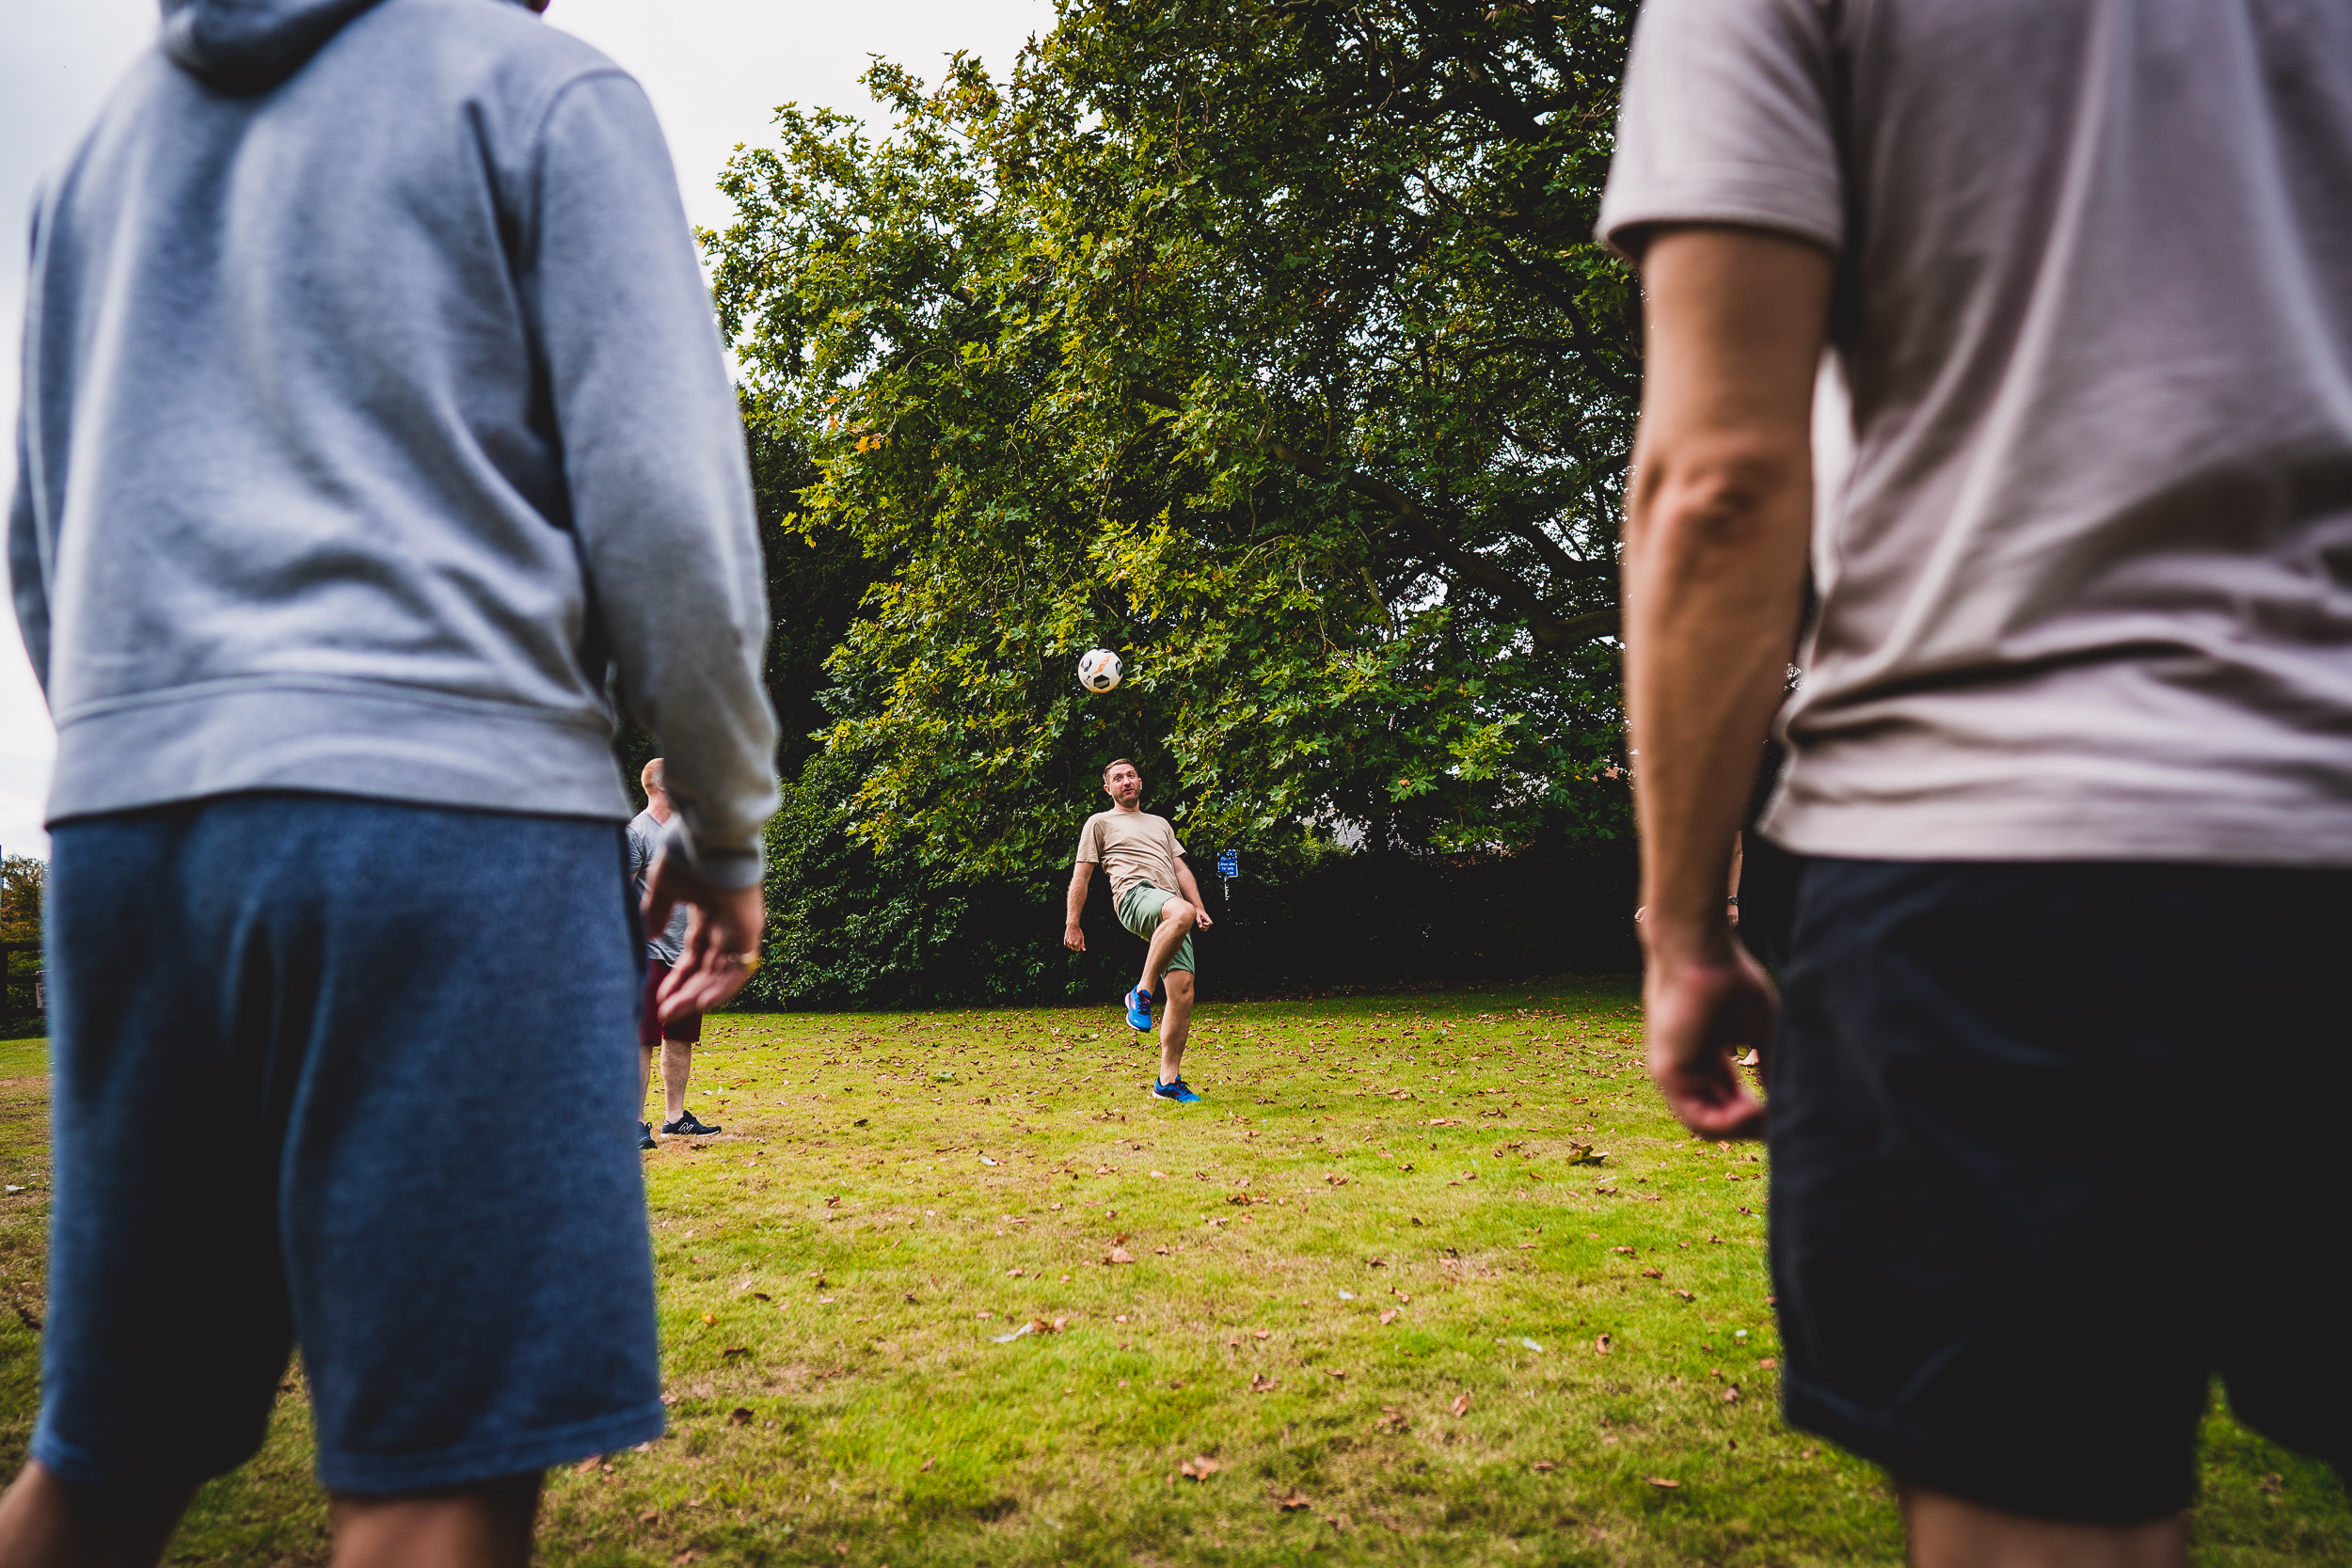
(1177, 920)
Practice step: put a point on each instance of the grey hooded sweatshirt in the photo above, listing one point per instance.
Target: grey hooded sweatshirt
(376, 426)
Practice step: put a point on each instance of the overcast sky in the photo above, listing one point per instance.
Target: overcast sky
(715, 69)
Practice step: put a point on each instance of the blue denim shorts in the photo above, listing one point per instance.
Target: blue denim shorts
(357, 1077)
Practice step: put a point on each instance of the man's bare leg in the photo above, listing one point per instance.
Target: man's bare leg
(484, 1525)
(45, 1521)
(1947, 1533)
(677, 1061)
(1175, 1025)
(1176, 921)
(644, 1078)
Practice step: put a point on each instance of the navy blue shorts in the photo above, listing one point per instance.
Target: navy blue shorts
(359, 1077)
(2053, 1145)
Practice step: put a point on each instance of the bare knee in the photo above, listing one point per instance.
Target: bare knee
(1179, 914)
(1179, 986)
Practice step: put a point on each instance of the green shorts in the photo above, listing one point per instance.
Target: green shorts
(1139, 911)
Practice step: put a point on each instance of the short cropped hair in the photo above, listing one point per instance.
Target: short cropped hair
(1120, 762)
(651, 777)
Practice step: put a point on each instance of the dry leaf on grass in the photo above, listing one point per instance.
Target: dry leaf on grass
(1119, 1255)
(1731, 1395)
(1289, 1497)
(1460, 1405)
(1526, 1245)
(589, 1464)
(1260, 1333)
(1199, 1468)
(1545, 1467)
(1389, 1316)
(1684, 1294)
(1653, 1274)
(1661, 1481)
(1600, 1344)
(1392, 1419)
(733, 1351)
(1260, 1383)
(1334, 1372)
(740, 1416)
(928, 1463)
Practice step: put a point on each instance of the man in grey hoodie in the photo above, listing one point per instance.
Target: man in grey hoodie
(375, 432)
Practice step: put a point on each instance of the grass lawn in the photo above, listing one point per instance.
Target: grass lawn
(949, 1289)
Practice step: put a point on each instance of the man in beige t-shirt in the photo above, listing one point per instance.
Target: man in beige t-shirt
(2071, 760)
(1156, 898)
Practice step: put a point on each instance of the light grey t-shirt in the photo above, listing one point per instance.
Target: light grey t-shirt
(2084, 542)
(647, 834)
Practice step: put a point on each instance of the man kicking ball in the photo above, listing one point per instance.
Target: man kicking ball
(1156, 898)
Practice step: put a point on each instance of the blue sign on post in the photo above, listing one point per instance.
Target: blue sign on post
(1229, 862)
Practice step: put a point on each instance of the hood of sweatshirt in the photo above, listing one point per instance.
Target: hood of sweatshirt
(245, 46)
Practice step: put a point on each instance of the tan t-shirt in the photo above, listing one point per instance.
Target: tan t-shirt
(1133, 846)
(2086, 572)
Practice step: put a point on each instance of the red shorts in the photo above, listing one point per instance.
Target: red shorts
(651, 1031)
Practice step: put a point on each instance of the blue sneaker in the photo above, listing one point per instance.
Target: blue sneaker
(1139, 1009)
(1180, 1091)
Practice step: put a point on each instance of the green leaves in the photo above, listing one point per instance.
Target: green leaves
(1262, 344)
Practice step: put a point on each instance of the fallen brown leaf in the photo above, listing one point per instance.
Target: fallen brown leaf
(1289, 1498)
(1120, 1255)
(1334, 1372)
(1653, 1274)
(710, 1317)
(1392, 1419)
(1545, 1467)
(1389, 1316)
(740, 1416)
(1260, 1333)
(1601, 1345)
(1199, 1467)
(1731, 1395)
(1684, 1294)
(1260, 1383)
(1768, 1364)
(1661, 1481)
(733, 1351)
(1460, 1405)
(589, 1464)
(927, 1464)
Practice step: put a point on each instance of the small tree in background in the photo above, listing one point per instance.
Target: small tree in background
(23, 881)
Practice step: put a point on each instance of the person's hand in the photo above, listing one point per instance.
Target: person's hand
(722, 947)
(1201, 915)
(1073, 938)
(1700, 1009)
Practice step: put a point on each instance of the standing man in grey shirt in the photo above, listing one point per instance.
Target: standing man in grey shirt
(375, 426)
(675, 1036)
(2071, 762)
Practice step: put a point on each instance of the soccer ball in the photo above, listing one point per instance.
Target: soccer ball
(1099, 670)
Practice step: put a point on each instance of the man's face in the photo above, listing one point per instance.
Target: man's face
(1123, 784)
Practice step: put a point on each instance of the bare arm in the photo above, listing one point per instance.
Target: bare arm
(1715, 536)
(1073, 935)
(1191, 890)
